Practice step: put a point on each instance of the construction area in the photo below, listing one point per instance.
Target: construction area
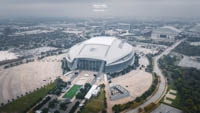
(135, 82)
(117, 92)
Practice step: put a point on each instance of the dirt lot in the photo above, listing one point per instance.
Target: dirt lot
(136, 82)
(139, 48)
(81, 79)
(187, 61)
(27, 77)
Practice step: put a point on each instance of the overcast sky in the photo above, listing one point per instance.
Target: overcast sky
(86, 8)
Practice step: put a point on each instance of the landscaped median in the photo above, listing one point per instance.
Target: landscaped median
(26, 102)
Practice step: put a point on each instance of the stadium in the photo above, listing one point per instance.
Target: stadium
(101, 54)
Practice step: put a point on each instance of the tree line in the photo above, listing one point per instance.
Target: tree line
(186, 81)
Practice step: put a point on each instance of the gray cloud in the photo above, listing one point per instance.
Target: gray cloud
(84, 8)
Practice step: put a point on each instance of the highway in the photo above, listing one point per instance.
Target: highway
(162, 90)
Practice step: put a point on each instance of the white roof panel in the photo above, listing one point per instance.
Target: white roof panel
(108, 49)
(94, 51)
(101, 40)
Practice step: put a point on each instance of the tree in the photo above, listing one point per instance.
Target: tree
(74, 107)
(138, 99)
(104, 111)
(102, 85)
(116, 108)
(87, 85)
(63, 106)
(45, 110)
(69, 82)
(52, 104)
(140, 110)
(56, 111)
(149, 107)
(186, 81)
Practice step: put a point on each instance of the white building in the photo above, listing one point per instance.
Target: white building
(105, 54)
(94, 90)
(166, 32)
(111, 33)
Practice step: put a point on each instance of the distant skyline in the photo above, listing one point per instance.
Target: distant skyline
(113, 8)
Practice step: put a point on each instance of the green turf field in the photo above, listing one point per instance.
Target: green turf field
(70, 94)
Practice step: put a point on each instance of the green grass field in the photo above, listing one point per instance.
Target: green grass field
(96, 104)
(25, 102)
(71, 93)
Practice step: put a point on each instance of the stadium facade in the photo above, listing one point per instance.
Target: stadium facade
(101, 54)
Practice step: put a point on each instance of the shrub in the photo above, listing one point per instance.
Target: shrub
(149, 107)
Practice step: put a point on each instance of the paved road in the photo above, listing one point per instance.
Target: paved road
(161, 90)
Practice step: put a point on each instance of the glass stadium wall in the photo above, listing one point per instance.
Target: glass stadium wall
(70, 65)
(118, 67)
(88, 64)
(95, 65)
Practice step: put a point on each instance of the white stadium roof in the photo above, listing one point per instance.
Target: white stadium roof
(101, 40)
(172, 28)
(108, 49)
(167, 29)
